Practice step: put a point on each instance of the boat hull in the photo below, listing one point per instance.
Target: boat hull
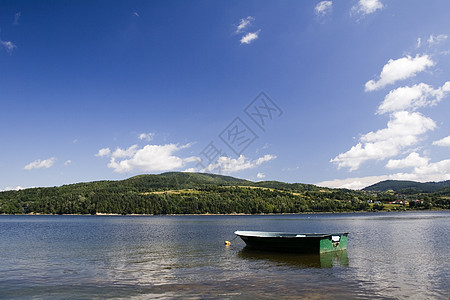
(291, 242)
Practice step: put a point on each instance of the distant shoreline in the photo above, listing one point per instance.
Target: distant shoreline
(232, 214)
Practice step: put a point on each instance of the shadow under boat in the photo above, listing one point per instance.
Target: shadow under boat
(314, 260)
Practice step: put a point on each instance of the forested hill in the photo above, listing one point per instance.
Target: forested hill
(185, 180)
(409, 187)
(189, 193)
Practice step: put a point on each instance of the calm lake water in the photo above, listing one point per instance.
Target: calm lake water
(389, 256)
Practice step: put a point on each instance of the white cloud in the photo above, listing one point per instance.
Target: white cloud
(146, 136)
(121, 153)
(37, 164)
(260, 175)
(438, 171)
(400, 69)
(403, 130)
(323, 8)
(437, 39)
(67, 162)
(135, 14)
(9, 188)
(150, 158)
(267, 157)
(229, 165)
(366, 7)
(412, 160)
(433, 171)
(244, 23)
(413, 97)
(445, 142)
(9, 46)
(103, 152)
(250, 37)
(354, 183)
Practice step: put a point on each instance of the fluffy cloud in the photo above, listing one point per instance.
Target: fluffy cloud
(9, 46)
(437, 39)
(67, 162)
(267, 157)
(121, 153)
(323, 8)
(437, 171)
(403, 130)
(244, 23)
(445, 142)
(413, 97)
(146, 136)
(103, 152)
(400, 69)
(433, 171)
(9, 188)
(150, 158)
(250, 37)
(260, 175)
(432, 40)
(412, 160)
(366, 7)
(38, 164)
(229, 165)
(353, 183)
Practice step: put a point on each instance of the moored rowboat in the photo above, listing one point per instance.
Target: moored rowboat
(294, 242)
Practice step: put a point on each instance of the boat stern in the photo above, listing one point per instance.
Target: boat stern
(334, 242)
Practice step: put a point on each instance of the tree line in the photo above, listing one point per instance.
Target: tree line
(192, 194)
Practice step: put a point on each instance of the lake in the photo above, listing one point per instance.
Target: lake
(389, 256)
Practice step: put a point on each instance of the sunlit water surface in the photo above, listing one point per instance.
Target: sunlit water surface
(389, 256)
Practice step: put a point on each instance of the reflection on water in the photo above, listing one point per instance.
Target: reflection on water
(323, 260)
(389, 256)
(407, 256)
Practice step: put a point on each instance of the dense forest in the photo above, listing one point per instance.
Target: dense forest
(411, 187)
(195, 193)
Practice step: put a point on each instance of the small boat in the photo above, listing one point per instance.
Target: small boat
(294, 242)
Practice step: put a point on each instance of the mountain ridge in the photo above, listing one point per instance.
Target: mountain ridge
(408, 186)
(202, 193)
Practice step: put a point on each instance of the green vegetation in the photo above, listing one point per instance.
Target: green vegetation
(195, 193)
(410, 187)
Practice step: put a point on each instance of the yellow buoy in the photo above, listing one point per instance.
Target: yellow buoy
(227, 243)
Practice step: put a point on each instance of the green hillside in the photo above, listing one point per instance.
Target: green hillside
(409, 187)
(193, 193)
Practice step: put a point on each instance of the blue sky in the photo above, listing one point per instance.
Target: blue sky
(335, 93)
